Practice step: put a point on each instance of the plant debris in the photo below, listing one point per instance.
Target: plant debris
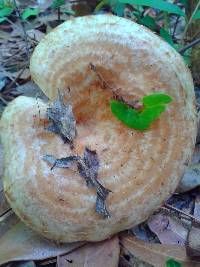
(169, 230)
(98, 254)
(88, 167)
(62, 120)
(193, 238)
(61, 163)
(117, 93)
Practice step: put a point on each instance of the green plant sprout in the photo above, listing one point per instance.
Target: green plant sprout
(172, 263)
(141, 119)
(29, 12)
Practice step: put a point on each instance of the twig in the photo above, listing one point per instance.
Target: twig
(190, 21)
(115, 91)
(9, 86)
(14, 54)
(3, 100)
(195, 34)
(181, 213)
(188, 46)
(23, 28)
(175, 26)
(103, 82)
(59, 13)
(5, 214)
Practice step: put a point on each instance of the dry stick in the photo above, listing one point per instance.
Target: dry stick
(6, 214)
(3, 100)
(195, 35)
(103, 82)
(189, 22)
(180, 212)
(14, 54)
(134, 104)
(23, 28)
(175, 26)
(59, 13)
(188, 46)
(9, 86)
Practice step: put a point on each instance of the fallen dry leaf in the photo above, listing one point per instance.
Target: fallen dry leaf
(4, 206)
(101, 254)
(24, 75)
(156, 254)
(19, 243)
(32, 90)
(1, 162)
(142, 232)
(196, 155)
(198, 131)
(168, 229)
(190, 179)
(35, 34)
(193, 244)
(24, 264)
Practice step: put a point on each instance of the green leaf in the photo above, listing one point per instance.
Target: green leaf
(2, 19)
(127, 115)
(6, 11)
(6, 3)
(148, 22)
(158, 4)
(156, 99)
(172, 263)
(150, 114)
(196, 15)
(69, 12)
(118, 9)
(137, 14)
(28, 12)
(57, 3)
(184, 2)
(2, 5)
(167, 37)
(154, 105)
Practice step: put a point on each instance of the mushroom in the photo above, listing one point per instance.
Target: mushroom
(142, 169)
